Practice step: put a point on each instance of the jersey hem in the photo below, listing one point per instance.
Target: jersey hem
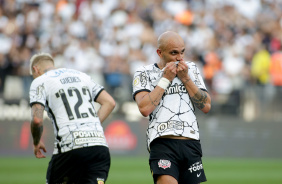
(98, 94)
(31, 104)
(56, 151)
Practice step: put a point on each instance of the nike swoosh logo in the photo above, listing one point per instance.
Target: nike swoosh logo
(198, 175)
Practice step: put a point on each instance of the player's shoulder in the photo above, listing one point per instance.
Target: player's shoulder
(191, 64)
(57, 74)
(146, 68)
(38, 83)
(63, 72)
(40, 79)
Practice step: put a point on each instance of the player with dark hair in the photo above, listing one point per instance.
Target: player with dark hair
(167, 92)
(81, 153)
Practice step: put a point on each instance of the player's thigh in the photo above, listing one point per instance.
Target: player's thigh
(98, 166)
(62, 168)
(89, 165)
(164, 159)
(166, 179)
(192, 170)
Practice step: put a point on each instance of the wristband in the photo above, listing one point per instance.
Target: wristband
(164, 83)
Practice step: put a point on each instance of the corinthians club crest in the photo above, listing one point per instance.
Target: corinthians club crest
(100, 180)
(164, 164)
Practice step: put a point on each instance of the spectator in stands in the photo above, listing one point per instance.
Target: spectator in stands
(120, 26)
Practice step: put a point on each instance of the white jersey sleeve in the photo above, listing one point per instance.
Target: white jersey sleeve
(96, 90)
(141, 81)
(37, 93)
(195, 76)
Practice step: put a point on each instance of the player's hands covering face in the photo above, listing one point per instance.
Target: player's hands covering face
(182, 71)
(170, 71)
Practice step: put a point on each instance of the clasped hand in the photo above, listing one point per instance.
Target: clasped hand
(172, 70)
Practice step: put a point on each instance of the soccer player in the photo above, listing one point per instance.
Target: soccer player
(167, 92)
(81, 154)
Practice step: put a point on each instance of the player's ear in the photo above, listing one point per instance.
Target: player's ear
(35, 69)
(35, 72)
(159, 52)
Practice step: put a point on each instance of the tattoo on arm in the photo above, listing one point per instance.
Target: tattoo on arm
(152, 100)
(199, 99)
(186, 81)
(36, 133)
(37, 128)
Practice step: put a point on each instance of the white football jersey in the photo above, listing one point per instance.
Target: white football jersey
(174, 115)
(68, 97)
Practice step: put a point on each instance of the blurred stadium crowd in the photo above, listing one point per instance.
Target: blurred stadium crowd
(236, 44)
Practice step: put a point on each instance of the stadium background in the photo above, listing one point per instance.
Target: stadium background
(236, 44)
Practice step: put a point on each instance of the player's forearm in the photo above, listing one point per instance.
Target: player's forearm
(150, 101)
(200, 98)
(36, 131)
(105, 110)
(36, 122)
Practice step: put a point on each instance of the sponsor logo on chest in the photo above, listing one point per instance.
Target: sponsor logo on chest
(176, 89)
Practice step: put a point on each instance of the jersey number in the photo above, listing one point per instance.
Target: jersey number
(71, 92)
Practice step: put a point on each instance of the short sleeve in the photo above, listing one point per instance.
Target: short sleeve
(37, 93)
(140, 82)
(96, 89)
(196, 77)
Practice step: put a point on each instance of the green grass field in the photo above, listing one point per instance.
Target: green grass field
(135, 170)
